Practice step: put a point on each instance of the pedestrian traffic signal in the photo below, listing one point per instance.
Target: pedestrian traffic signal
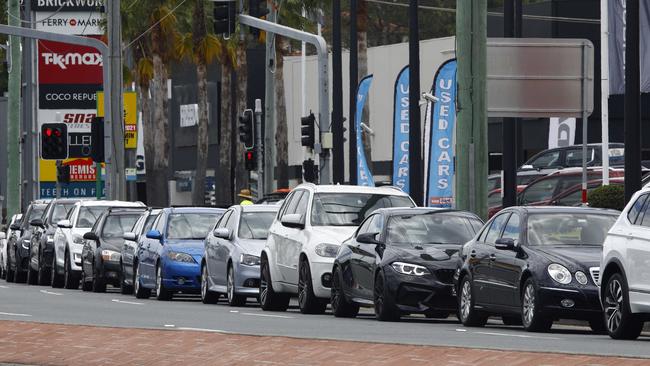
(224, 17)
(246, 131)
(97, 142)
(54, 141)
(307, 130)
(250, 160)
(309, 171)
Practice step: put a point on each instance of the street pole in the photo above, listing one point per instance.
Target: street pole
(260, 148)
(338, 165)
(354, 82)
(604, 87)
(30, 159)
(632, 111)
(270, 152)
(115, 70)
(415, 132)
(13, 114)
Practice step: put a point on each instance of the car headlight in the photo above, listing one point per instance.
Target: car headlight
(249, 260)
(50, 238)
(180, 257)
(77, 257)
(77, 239)
(581, 277)
(409, 269)
(25, 244)
(111, 255)
(559, 273)
(327, 250)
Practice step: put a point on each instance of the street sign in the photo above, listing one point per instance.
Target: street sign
(130, 117)
(539, 77)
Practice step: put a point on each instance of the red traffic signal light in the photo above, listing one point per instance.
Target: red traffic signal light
(54, 141)
(250, 160)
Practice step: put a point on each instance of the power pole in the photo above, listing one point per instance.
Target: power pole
(29, 153)
(354, 82)
(13, 114)
(632, 107)
(118, 178)
(415, 131)
(270, 149)
(259, 149)
(338, 166)
(471, 130)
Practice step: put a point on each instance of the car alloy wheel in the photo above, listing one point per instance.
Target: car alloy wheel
(385, 310)
(307, 301)
(233, 298)
(42, 270)
(161, 292)
(467, 313)
(529, 304)
(55, 278)
(32, 275)
(207, 296)
(269, 299)
(85, 285)
(125, 289)
(620, 322)
(341, 307)
(98, 283)
(139, 291)
(532, 318)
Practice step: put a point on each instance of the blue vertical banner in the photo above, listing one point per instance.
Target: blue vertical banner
(364, 177)
(401, 131)
(440, 183)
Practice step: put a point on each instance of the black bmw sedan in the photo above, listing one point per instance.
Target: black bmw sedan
(401, 261)
(534, 265)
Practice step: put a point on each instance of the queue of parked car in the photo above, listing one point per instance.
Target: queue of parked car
(351, 247)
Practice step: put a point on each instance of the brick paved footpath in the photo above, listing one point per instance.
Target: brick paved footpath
(53, 344)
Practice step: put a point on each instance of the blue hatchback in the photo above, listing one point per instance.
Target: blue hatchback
(169, 257)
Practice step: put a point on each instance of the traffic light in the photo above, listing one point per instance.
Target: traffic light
(54, 141)
(309, 171)
(257, 9)
(63, 174)
(307, 131)
(250, 160)
(97, 142)
(246, 132)
(224, 13)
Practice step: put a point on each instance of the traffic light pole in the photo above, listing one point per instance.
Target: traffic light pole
(323, 79)
(260, 149)
(13, 120)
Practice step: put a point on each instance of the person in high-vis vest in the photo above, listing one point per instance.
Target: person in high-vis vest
(247, 197)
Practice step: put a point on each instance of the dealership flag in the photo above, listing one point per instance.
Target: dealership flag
(401, 131)
(440, 173)
(364, 177)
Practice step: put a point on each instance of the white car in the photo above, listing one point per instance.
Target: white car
(4, 254)
(69, 242)
(625, 270)
(305, 238)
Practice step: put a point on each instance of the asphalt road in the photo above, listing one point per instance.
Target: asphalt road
(44, 304)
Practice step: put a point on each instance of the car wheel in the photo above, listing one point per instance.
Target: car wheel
(233, 298)
(32, 275)
(532, 318)
(85, 285)
(620, 322)
(341, 307)
(467, 313)
(385, 309)
(207, 296)
(511, 320)
(55, 278)
(98, 283)
(308, 302)
(124, 288)
(139, 291)
(597, 325)
(43, 274)
(19, 274)
(10, 272)
(70, 279)
(269, 299)
(161, 292)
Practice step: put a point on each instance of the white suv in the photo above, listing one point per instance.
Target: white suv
(625, 270)
(69, 242)
(305, 238)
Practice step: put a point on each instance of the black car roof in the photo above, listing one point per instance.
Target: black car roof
(563, 209)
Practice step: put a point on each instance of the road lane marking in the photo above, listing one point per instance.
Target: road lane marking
(515, 335)
(169, 326)
(204, 330)
(269, 315)
(234, 311)
(127, 302)
(461, 330)
(14, 314)
(51, 293)
(2, 286)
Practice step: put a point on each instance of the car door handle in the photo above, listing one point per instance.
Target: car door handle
(472, 254)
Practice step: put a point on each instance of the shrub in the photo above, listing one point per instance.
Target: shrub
(610, 196)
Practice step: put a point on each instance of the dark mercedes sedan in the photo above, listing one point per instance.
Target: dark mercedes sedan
(402, 261)
(534, 265)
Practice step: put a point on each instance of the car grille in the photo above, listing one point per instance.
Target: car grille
(595, 274)
(445, 275)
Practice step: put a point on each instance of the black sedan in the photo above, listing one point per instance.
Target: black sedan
(402, 261)
(534, 265)
(19, 246)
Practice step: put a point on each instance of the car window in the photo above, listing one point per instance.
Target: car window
(285, 204)
(568, 181)
(539, 191)
(572, 199)
(495, 229)
(35, 213)
(428, 229)
(190, 226)
(291, 208)
(574, 157)
(88, 215)
(148, 224)
(230, 223)
(255, 225)
(301, 207)
(645, 221)
(494, 199)
(573, 228)
(377, 224)
(116, 225)
(350, 209)
(60, 211)
(636, 208)
(513, 228)
(547, 160)
(224, 219)
(365, 225)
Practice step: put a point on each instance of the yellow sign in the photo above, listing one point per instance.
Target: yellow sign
(130, 117)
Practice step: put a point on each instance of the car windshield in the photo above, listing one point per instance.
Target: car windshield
(190, 226)
(616, 156)
(88, 215)
(60, 211)
(116, 225)
(255, 225)
(568, 228)
(350, 209)
(37, 212)
(429, 229)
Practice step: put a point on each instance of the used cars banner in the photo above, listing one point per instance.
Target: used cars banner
(401, 131)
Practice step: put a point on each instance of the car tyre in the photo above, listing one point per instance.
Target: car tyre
(597, 325)
(467, 313)
(341, 307)
(437, 314)
(125, 289)
(139, 291)
(85, 285)
(55, 278)
(620, 321)
(19, 274)
(98, 283)
(70, 279)
(269, 299)
(207, 296)
(532, 318)
(11, 274)
(233, 298)
(307, 301)
(161, 292)
(32, 275)
(385, 308)
(43, 273)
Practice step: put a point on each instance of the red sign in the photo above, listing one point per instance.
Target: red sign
(62, 63)
(81, 170)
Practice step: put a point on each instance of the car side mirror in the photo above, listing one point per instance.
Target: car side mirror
(506, 244)
(368, 238)
(293, 220)
(91, 236)
(15, 227)
(37, 223)
(154, 234)
(222, 233)
(64, 224)
(130, 236)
